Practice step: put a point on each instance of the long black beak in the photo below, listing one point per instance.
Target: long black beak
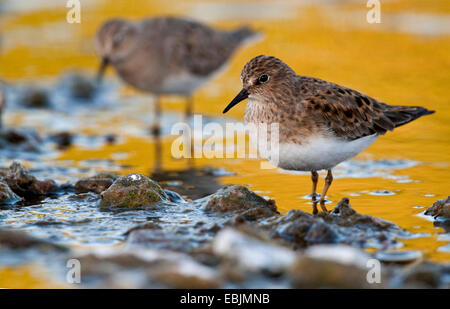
(241, 96)
(101, 70)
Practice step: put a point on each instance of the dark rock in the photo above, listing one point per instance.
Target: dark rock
(7, 196)
(96, 184)
(342, 225)
(36, 98)
(344, 215)
(317, 273)
(144, 226)
(174, 197)
(321, 233)
(20, 240)
(27, 139)
(161, 268)
(133, 190)
(111, 139)
(80, 86)
(62, 139)
(441, 208)
(238, 199)
(252, 254)
(423, 275)
(158, 238)
(24, 184)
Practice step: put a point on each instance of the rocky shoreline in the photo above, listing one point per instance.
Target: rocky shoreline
(231, 238)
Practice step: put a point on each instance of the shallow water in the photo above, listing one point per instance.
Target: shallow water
(398, 176)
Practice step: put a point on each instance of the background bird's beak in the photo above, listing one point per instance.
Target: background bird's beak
(102, 69)
(241, 96)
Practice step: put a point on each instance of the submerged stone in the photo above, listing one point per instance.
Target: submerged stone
(35, 98)
(20, 240)
(24, 184)
(97, 183)
(238, 199)
(252, 254)
(23, 139)
(7, 196)
(133, 190)
(342, 225)
(80, 86)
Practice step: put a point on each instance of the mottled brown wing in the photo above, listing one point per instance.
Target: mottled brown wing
(350, 114)
(196, 47)
(346, 112)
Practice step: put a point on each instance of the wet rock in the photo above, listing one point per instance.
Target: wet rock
(62, 139)
(335, 266)
(422, 275)
(143, 226)
(111, 138)
(342, 225)
(133, 190)
(238, 199)
(299, 228)
(35, 98)
(252, 254)
(441, 208)
(80, 86)
(344, 215)
(26, 185)
(20, 240)
(321, 233)
(97, 183)
(174, 197)
(339, 253)
(309, 272)
(160, 268)
(27, 139)
(7, 196)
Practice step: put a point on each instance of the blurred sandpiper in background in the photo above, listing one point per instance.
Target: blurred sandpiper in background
(64, 126)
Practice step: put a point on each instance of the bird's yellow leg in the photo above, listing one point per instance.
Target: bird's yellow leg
(328, 181)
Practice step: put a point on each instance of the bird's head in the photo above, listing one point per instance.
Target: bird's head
(263, 77)
(115, 40)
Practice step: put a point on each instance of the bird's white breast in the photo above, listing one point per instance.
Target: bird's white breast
(316, 153)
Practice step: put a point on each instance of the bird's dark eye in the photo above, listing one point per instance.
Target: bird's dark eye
(263, 78)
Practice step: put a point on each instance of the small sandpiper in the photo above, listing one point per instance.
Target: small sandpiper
(320, 123)
(166, 55)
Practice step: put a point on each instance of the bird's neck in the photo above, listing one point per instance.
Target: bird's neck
(260, 110)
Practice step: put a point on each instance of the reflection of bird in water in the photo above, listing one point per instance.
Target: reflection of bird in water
(166, 55)
(321, 124)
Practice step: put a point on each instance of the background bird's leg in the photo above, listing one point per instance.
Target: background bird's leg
(187, 117)
(315, 179)
(328, 181)
(189, 106)
(156, 131)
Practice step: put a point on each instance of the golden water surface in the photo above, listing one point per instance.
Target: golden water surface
(392, 61)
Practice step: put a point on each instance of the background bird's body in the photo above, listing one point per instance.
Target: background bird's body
(168, 55)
